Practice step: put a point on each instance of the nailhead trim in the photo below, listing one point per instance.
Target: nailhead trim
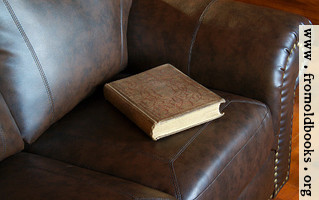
(296, 44)
(271, 196)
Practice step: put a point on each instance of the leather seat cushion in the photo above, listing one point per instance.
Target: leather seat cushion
(198, 162)
(29, 176)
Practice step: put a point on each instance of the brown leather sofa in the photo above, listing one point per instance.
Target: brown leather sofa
(59, 138)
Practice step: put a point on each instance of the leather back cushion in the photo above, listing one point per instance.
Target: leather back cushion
(54, 53)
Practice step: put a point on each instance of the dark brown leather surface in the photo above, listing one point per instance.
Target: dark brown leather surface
(97, 136)
(261, 187)
(161, 32)
(245, 165)
(54, 53)
(227, 49)
(10, 139)
(235, 47)
(28, 176)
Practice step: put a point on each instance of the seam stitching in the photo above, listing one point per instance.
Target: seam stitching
(174, 180)
(240, 101)
(190, 141)
(34, 56)
(256, 131)
(195, 35)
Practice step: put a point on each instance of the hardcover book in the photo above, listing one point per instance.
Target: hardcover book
(163, 101)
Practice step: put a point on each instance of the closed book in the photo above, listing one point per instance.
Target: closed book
(163, 101)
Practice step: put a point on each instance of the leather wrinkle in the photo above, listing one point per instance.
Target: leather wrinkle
(243, 147)
(34, 56)
(201, 18)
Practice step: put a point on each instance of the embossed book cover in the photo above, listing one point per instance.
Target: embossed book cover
(163, 101)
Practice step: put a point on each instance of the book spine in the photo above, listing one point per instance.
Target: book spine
(132, 111)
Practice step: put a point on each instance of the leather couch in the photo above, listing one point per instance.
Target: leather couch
(60, 139)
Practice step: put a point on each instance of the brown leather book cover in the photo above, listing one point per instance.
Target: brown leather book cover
(163, 101)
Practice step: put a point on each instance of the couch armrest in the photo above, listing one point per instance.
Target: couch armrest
(226, 45)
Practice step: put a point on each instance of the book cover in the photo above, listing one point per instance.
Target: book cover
(163, 101)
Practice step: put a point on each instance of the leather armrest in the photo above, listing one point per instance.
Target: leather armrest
(225, 45)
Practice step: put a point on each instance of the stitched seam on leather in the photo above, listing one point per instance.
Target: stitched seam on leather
(249, 102)
(171, 162)
(243, 101)
(195, 35)
(190, 141)
(256, 132)
(34, 56)
(172, 172)
(3, 141)
(281, 107)
(122, 33)
(175, 181)
(226, 106)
